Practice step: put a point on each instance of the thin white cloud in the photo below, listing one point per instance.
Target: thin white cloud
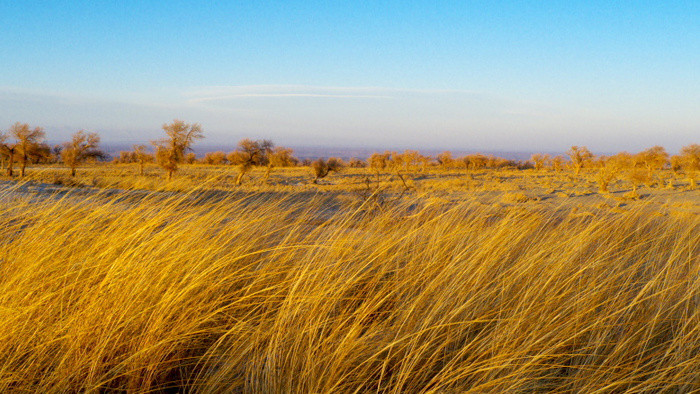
(286, 95)
(212, 94)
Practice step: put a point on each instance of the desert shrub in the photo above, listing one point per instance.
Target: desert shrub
(605, 176)
(638, 177)
(356, 163)
(557, 163)
(215, 158)
(540, 160)
(445, 159)
(283, 157)
(580, 156)
(322, 167)
(378, 161)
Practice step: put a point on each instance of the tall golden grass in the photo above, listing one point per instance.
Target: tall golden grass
(294, 292)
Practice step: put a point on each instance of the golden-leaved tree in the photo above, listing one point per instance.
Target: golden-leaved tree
(27, 142)
(81, 147)
(580, 156)
(170, 151)
(690, 162)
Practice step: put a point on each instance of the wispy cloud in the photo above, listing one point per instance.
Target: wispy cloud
(286, 95)
(212, 94)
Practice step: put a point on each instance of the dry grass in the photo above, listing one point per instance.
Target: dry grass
(283, 291)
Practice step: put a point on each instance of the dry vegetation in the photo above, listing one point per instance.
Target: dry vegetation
(399, 274)
(489, 281)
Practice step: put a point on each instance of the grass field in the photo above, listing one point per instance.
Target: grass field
(436, 281)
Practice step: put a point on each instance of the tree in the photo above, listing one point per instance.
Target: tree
(141, 156)
(378, 161)
(190, 158)
(354, 162)
(251, 153)
(445, 159)
(654, 158)
(690, 162)
(579, 157)
(557, 163)
(26, 143)
(621, 161)
(7, 152)
(82, 146)
(283, 157)
(637, 177)
(475, 162)
(170, 151)
(322, 167)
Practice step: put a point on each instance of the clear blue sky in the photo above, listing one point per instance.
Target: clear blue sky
(472, 75)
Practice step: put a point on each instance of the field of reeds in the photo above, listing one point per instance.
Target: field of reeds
(349, 290)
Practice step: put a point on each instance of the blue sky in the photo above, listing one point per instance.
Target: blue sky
(472, 75)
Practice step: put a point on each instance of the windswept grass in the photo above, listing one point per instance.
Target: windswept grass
(293, 292)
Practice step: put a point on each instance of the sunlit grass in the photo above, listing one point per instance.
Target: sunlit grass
(313, 292)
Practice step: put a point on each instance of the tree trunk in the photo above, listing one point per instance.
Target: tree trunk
(10, 163)
(170, 174)
(141, 168)
(22, 168)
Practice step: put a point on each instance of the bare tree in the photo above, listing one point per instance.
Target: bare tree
(170, 151)
(82, 146)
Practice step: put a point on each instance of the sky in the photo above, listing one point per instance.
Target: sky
(462, 75)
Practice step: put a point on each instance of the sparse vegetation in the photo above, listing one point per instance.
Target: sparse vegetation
(414, 274)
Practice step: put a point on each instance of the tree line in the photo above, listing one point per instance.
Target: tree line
(23, 145)
(26, 145)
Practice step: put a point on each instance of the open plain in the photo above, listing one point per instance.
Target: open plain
(436, 280)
